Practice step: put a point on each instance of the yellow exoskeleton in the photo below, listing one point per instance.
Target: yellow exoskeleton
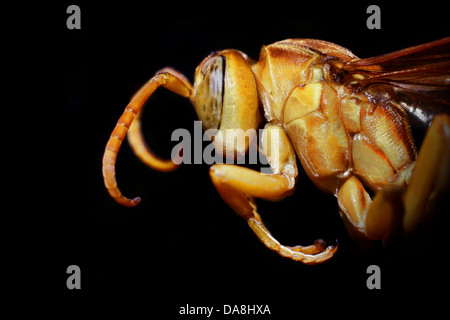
(344, 117)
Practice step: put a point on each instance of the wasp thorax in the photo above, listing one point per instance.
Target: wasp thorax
(209, 92)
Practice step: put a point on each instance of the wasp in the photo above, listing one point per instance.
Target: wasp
(348, 120)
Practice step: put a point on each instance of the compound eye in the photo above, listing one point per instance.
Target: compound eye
(210, 92)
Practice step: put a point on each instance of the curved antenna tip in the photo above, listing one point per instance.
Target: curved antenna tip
(128, 202)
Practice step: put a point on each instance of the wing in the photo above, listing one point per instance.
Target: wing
(419, 76)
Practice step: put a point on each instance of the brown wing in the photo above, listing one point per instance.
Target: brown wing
(420, 77)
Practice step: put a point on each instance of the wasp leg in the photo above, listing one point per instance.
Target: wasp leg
(398, 209)
(238, 186)
(167, 78)
(318, 246)
(430, 178)
(367, 219)
(383, 217)
(354, 202)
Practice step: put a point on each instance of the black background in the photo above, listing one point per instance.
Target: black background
(182, 244)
